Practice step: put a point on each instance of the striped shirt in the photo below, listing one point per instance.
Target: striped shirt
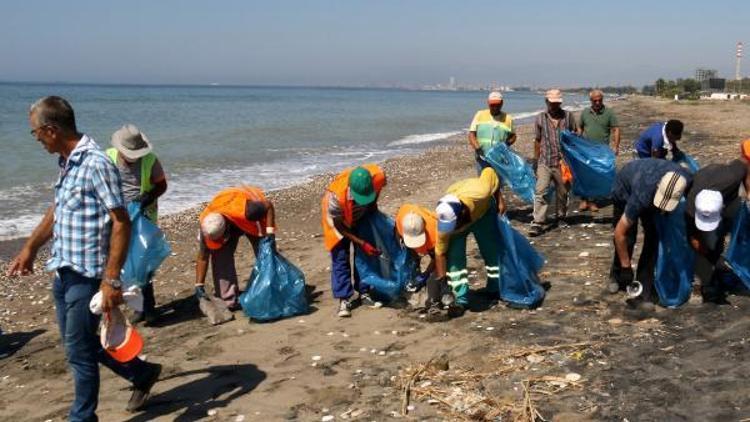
(88, 188)
(547, 131)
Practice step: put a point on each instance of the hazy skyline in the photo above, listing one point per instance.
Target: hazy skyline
(355, 43)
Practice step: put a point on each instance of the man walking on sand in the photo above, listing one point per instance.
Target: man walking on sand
(547, 156)
(490, 127)
(90, 229)
(143, 181)
(598, 124)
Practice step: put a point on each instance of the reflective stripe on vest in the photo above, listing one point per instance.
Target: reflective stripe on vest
(147, 166)
(231, 204)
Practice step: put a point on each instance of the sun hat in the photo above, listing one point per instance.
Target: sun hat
(213, 225)
(413, 227)
(554, 96)
(131, 142)
(495, 97)
(708, 206)
(360, 186)
(447, 210)
(669, 191)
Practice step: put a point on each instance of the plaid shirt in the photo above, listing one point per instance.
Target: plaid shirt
(546, 132)
(88, 188)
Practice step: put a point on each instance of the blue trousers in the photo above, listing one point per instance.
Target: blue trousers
(341, 272)
(83, 350)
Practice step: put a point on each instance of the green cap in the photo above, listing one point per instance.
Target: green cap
(360, 186)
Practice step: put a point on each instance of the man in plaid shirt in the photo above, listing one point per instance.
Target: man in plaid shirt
(90, 229)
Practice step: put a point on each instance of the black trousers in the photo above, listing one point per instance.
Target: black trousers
(649, 251)
(714, 243)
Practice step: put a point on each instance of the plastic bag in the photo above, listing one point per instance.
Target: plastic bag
(686, 161)
(514, 171)
(147, 250)
(592, 165)
(388, 273)
(277, 288)
(520, 264)
(738, 253)
(675, 262)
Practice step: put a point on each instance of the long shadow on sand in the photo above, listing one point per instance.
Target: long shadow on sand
(178, 311)
(13, 342)
(217, 387)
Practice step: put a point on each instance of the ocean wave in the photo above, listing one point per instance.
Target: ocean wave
(423, 138)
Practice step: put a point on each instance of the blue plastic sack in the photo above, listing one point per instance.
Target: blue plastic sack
(514, 171)
(520, 264)
(738, 252)
(277, 287)
(592, 165)
(675, 262)
(148, 248)
(388, 273)
(685, 160)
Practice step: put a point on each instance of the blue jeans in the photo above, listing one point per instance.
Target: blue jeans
(341, 272)
(83, 350)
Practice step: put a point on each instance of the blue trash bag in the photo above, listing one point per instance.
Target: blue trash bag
(520, 264)
(277, 287)
(388, 273)
(738, 252)
(685, 160)
(514, 171)
(148, 248)
(676, 259)
(592, 165)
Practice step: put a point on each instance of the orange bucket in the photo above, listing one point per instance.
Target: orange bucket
(120, 339)
(130, 348)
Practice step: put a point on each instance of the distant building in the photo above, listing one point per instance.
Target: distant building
(705, 76)
(715, 84)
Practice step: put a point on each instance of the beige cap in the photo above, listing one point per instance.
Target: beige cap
(413, 227)
(554, 96)
(131, 142)
(495, 97)
(213, 225)
(671, 187)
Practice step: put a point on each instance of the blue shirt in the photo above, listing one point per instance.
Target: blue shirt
(635, 184)
(652, 138)
(88, 188)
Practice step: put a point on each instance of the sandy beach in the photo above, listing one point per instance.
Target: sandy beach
(581, 356)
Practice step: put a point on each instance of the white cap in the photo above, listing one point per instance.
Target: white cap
(495, 97)
(708, 206)
(213, 225)
(447, 213)
(413, 227)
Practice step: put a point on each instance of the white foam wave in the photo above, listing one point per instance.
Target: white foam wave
(423, 138)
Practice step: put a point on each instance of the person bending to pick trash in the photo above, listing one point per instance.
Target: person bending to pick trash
(417, 228)
(232, 214)
(469, 206)
(351, 195)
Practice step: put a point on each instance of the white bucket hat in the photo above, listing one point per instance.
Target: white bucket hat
(131, 142)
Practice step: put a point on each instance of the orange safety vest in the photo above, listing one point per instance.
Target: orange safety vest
(340, 187)
(231, 204)
(430, 226)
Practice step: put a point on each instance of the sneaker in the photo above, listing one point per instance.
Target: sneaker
(141, 392)
(412, 286)
(345, 309)
(535, 230)
(366, 300)
(435, 314)
(456, 310)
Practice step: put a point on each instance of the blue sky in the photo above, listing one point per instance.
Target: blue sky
(353, 42)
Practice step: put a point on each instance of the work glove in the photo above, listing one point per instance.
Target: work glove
(479, 155)
(200, 292)
(419, 281)
(534, 163)
(370, 250)
(146, 199)
(435, 289)
(625, 277)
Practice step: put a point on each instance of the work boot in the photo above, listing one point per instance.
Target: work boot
(456, 310)
(535, 230)
(142, 391)
(436, 314)
(366, 300)
(345, 309)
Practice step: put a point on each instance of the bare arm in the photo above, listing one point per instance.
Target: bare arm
(500, 200)
(23, 263)
(270, 216)
(440, 266)
(201, 266)
(118, 251)
(747, 184)
(511, 139)
(615, 134)
(473, 140)
(537, 149)
(149, 197)
(621, 241)
(338, 223)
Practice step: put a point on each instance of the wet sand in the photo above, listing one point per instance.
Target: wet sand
(684, 364)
